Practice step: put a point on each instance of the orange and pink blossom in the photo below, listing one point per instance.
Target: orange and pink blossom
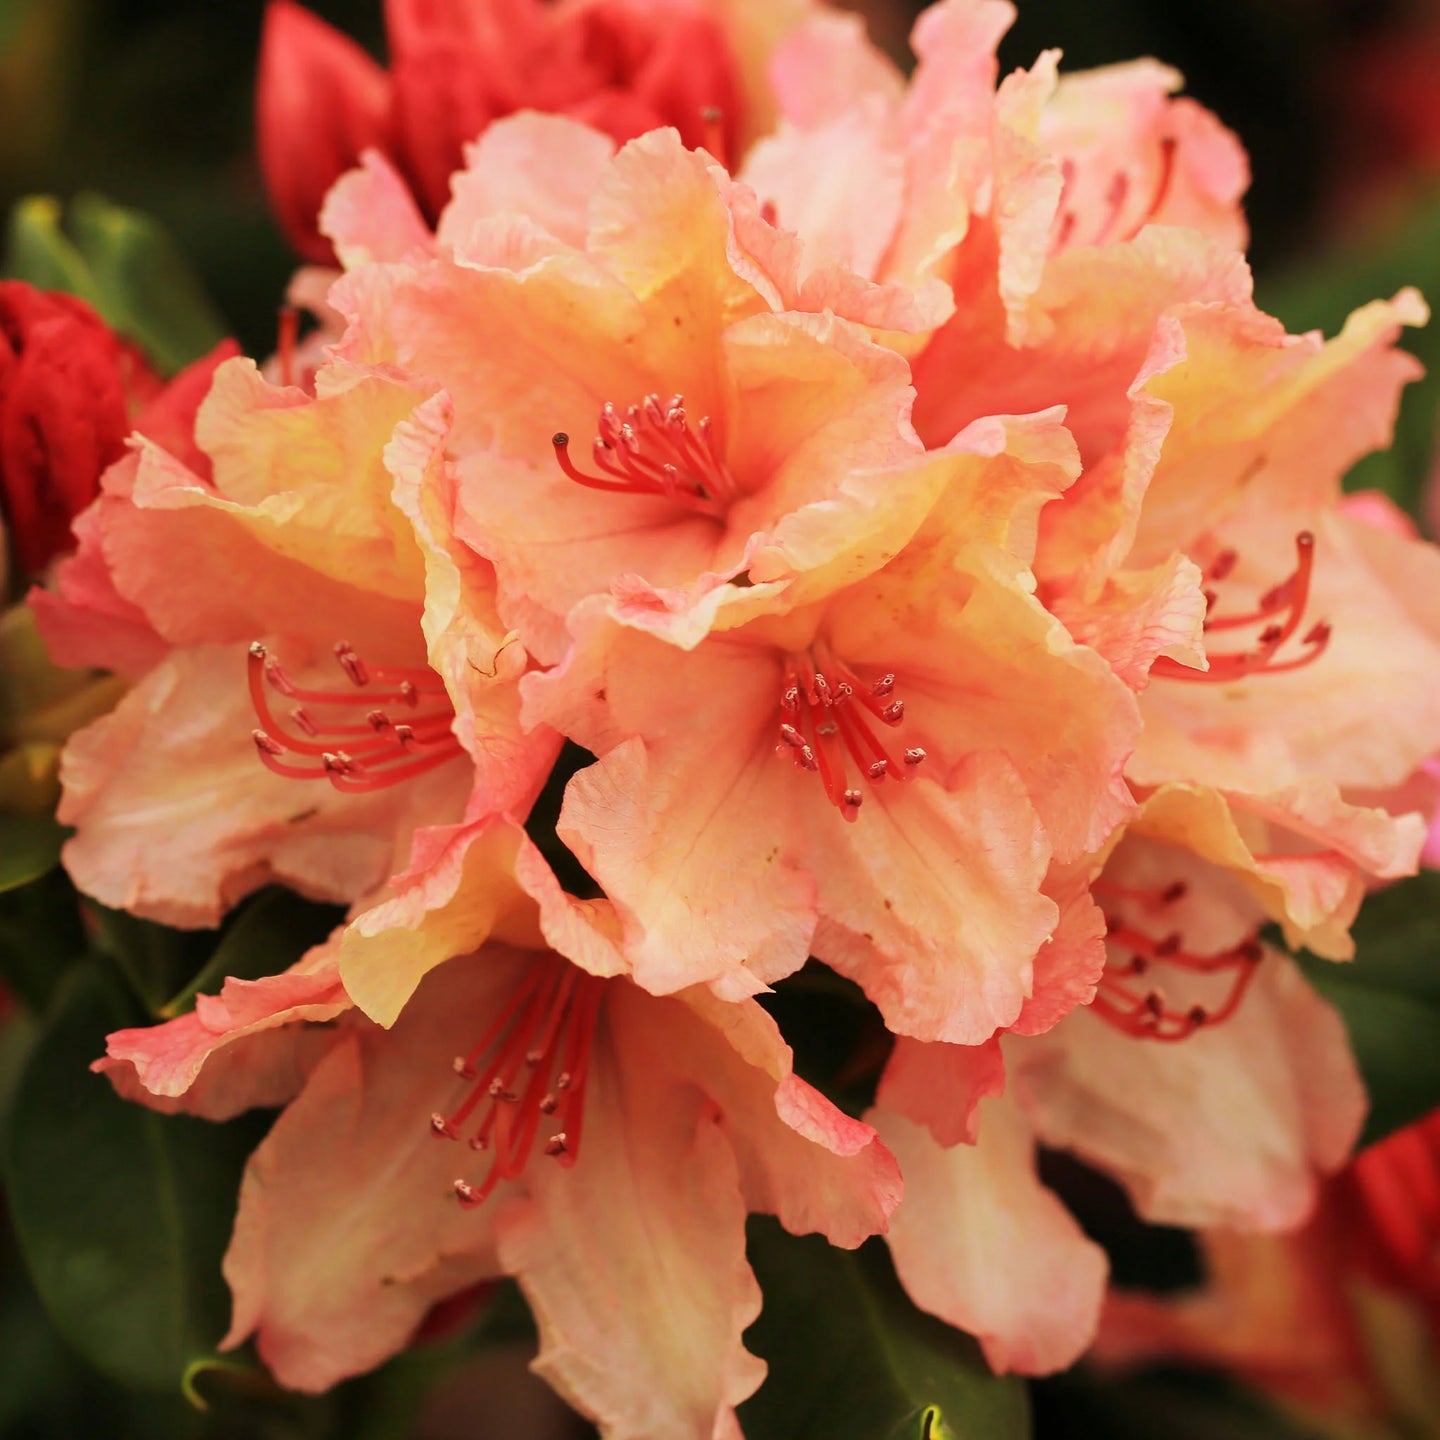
(626, 1137)
(257, 741)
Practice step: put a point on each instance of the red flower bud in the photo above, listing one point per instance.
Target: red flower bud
(623, 66)
(63, 415)
(319, 101)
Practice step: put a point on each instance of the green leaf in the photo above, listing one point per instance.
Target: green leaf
(29, 848)
(123, 263)
(123, 1214)
(852, 1359)
(269, 935)
(154, 959)
(41, 937)
(1389, 996)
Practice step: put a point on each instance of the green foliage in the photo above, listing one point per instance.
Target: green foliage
(1389, 997)
(29, 848)
(124, 264)
(41, 937)
(123, 1214)
(852, 1359)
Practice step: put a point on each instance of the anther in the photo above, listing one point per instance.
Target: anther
(319, 731)
(441, 1127)
(352, 664)
(914, 755)
(556, 1146)
(1148, 1016)
(894, 712)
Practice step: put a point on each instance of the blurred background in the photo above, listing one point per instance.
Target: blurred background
(149, 102)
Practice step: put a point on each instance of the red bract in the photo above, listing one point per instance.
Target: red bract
(456, 67)
(62, 415)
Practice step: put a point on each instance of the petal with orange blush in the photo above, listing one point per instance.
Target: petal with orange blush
(250, 1046)
(176, 819)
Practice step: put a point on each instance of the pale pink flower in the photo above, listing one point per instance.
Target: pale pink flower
(1205, 1076)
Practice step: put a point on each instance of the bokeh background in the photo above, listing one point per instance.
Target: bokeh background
(148, 102)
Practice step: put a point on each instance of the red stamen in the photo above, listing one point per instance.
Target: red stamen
(652, 451)
(286, 340)
(823, 725)
(1148, 1015)
(1281, 611)
(353, 758)
(546, 1028)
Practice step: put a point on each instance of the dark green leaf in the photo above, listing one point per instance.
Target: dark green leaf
(269, 935)
(29, 848)
(155, 960)
(1175, 1404)
(1389, 997)
(124, 264)
(41, 937)
(123, 1214)
(851, 1359)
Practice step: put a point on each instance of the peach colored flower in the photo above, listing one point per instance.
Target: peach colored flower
(1204, 1075)
(630, 391)
(615, 1143)
(806, 478)
(711, 816)
(328, 519)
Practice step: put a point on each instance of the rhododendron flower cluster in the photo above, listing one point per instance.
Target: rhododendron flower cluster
(876, 513)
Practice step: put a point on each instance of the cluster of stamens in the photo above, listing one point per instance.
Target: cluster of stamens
(652, 449)
(826, 717)
(1117, 197)
(1280, 610)
(530, 1067)
(1128, 998)
(330, 742)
